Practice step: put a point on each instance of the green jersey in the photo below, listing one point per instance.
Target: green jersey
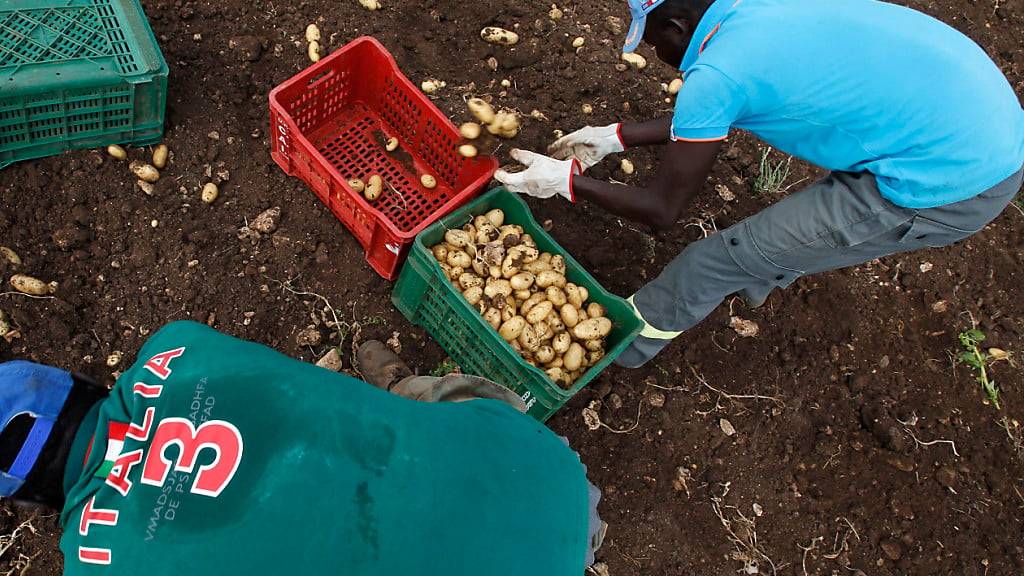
(222, 457)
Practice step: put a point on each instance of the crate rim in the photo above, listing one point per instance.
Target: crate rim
(311, 72)
(559, 392)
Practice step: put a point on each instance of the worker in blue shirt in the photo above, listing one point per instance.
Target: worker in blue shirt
(921, 132)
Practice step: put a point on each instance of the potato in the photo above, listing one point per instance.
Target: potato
(543, 330)
(550, 278)
(456, 272)
(210, 193)
(512, 328)
(440, 252)
(561, 342)
(493, 317)
(496, 217)
(10, 256)
(470, 130)
(556, 323)
(356, 185)
(675, 86)
(592, 329)
(460, 259)
(432, 85)
(556, 363)
(509, 268)
(33, 286)
(573, 358)
(522, 295)
(595, 356)
(558, 264)
(584, 293)
(537, 267)
(160, 156)
(391, 145)
(570, 315)
(473, 294)
(546, 256)
(594, 345)
(499, 36)
(505, 125)
(468, 151)
(146, 187)
(374, 187)
(312, 33)
(555, 374)
(523, 254)
(578, 42)
(498, 288)
(635, 60)
(528, 339)
(468, 280)
(117, 152)
(507, 313)
(627, 167)
(594, 310)
(313, 51)
(481, 109)
(479, 267)
(428, 181)
(492, 253)
(447, 270)
(495, 272)
(458, 238)
(530, 303)
(539, 312)
(544, 354)
(556, 296)
(370, 5)
(144, 171)
(583, 314)
(486, 233)
(522, 281)
(527, 239)
(515, 346)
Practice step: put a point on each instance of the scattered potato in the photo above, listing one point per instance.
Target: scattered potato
(356, 185)
(505, 125)
(480, 108)
(428, 181)
(499, 36)
(627, 166)
(578, 42)
(587, 109)
(32, 286)
(391, 145)
(117, 152)
(147, 188)
(312, 33)
(210, 193)
(675, 86)
(470, 130)
(160, 156)
(468, 151)
(522, 293)
(555, 13)
(374, 188)
(370, 5)
(10, 255)
(431, 85)
(144, 171)
(635, 60)
(313, 51)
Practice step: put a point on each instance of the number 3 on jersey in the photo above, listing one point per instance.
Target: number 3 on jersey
(218, 436)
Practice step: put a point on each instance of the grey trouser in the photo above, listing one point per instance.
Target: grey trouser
(463, 388)
(840, 221)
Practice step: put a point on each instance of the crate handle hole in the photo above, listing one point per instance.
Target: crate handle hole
(320, 78)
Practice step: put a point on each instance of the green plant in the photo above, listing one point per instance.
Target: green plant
(447, 366)
(772, 175)
(976, 358)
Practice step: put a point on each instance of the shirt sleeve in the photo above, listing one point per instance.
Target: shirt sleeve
(707, 106)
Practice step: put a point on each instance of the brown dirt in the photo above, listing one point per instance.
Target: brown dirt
(850, 356)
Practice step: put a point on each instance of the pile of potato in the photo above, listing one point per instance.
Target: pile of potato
(523, 294)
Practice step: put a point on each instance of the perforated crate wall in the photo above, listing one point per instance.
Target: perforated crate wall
(77, 73)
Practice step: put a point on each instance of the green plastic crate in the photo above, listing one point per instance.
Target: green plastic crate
(77, 74)
(427, 298)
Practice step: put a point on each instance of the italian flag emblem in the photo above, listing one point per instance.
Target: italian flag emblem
(115, 442)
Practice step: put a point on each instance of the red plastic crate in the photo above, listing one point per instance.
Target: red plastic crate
(329, 123)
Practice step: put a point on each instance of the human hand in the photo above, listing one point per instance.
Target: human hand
(543, 178)
(588, 145)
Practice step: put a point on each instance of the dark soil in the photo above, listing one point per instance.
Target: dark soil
(838, 472)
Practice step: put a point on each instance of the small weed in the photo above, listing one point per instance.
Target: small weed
(772, 175)
(976, 358)
(447, 366)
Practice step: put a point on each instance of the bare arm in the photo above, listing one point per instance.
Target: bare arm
(685, 167)
(647, 133)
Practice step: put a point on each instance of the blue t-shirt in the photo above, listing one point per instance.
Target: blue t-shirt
(857, 86)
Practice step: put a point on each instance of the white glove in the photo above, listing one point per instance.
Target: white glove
(588, 145)
(543, 177)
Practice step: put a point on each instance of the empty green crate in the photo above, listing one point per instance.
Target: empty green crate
(427, 298)
(77, 74)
